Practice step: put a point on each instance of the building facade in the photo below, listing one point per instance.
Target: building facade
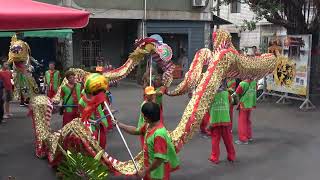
(114, 26)
(236, 13)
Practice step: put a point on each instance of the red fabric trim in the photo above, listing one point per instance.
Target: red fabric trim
(222, 124)
(74, 96)
(143, 129)
(92, 105)
(233, 85)
(160, 145)
(146, 159)
(241, 106)
(51, 80)
(151, 132)
(239, 90)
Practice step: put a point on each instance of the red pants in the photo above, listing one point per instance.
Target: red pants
(231, 114)
(103, 136)
(244, 125)
(225, 133)
(205, 122)
(69, 116)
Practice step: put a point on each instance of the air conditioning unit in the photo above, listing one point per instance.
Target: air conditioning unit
(199, 3)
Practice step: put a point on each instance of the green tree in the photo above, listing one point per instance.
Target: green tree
(297, 16)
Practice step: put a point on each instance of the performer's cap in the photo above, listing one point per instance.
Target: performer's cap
(149, 90)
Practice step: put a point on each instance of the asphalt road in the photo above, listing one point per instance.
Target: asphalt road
(287, 143)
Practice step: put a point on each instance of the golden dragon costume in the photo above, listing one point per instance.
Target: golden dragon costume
(20, 57)
(223, 62)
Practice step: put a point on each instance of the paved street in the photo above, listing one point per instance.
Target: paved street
(287, 144)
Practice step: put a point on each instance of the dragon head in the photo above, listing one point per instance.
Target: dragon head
(222, 40)
(19, 50)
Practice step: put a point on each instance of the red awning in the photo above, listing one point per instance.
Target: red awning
(29, 15)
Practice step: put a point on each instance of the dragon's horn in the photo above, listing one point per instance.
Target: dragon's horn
(14, 38)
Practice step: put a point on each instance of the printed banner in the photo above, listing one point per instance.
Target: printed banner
(298, 49)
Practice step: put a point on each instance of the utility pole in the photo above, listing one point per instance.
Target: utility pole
(218, 11)
(144, 27)
(140, 71)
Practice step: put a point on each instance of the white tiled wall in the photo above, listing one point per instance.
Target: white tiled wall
(247, 39)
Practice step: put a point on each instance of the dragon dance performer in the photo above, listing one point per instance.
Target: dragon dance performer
(20, 57)
(220, 125)
(52, 80)
(248, 98)
(160, 157)
(70, 95)
(100, 69)
(149, 96)
(92, 106)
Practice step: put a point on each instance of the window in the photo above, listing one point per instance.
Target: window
(235, 6)
(90, 50)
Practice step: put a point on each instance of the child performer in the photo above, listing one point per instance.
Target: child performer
(150, 96)
(91, 106)
(159, 153)
(70, 95)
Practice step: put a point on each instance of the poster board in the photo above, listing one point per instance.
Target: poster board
(298, 49)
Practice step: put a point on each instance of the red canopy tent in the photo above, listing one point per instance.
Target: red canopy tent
(18, 15)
